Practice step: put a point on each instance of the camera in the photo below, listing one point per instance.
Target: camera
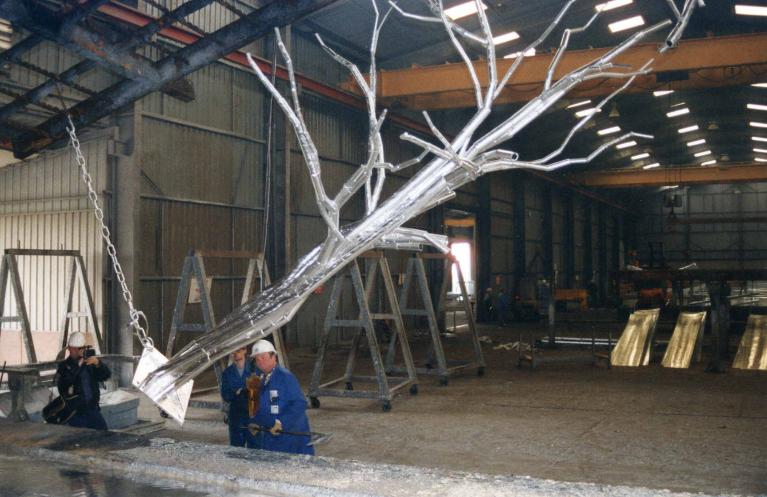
(89, 352)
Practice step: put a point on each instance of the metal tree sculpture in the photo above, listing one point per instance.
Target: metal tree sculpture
(454, 163)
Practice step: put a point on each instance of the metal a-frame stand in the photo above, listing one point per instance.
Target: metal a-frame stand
(10, 268)
(194, 268)
(363, 293)
(444, 368)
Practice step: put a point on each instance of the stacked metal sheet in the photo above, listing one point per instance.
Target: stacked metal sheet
(752, 352)
(685, 341)
(634, 346)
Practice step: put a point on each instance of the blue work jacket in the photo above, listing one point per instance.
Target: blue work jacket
(281, 398)
(231, 381)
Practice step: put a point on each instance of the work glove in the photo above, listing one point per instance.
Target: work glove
(277, 428)
(253, 386)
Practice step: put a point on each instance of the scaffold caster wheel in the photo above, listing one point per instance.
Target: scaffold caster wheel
(164, 414)
(443, 381)
(414, 390)
(481, 371)
(386, 406)
(349, 385)
(315, 402)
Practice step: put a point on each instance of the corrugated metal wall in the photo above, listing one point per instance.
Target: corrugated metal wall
(43, 205)
(725, 244)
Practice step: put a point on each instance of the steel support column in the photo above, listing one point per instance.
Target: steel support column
(588, 257)
(569, 241)
(126, 185)
(483, 237)
(548, 234)
(519, 235)
(602, 253)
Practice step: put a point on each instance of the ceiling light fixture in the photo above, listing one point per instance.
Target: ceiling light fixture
(756, 107)
(608, 131)
(578, 104)
(760, 151)
(624, 24)
(759, 159)
(755, 124)
(640, 156)
(703, 154)
(696, 142)
(463, 10)
(612, 4)
(678, 112)
(708, 162)
(759, 139)
(651, 166)
(505, 38)
(528, 53)
(628, 144)
(688, 129)
(760, 85)
(660, 93)
(750, 10)
(587, 112)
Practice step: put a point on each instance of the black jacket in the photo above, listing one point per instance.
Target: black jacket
(69, 380)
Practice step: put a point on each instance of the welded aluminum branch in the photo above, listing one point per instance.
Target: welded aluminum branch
(432, 185)
(683, 19)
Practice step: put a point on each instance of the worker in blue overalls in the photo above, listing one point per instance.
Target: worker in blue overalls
(281, 405)
(234, 392)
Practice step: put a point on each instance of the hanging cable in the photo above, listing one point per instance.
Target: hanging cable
(268, 175)
(135, 315)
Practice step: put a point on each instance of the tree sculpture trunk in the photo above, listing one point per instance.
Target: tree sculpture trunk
(454, 163)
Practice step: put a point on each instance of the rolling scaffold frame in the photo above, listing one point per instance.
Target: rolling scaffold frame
(194, 270)
(444, 368)
(364, 324)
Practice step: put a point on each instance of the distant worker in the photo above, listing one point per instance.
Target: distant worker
(487, 309)
(77, 378)
(503, 304)
(234, 393)
(280, 406)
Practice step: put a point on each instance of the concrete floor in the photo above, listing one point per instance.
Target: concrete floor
(682, 430)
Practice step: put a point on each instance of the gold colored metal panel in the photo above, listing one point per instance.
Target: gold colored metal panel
(685, 339)
(634, 346)
(752, 352)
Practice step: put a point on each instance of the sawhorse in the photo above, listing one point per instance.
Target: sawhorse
(444, 368)
(9, 269)
(364, 324)
(194, 269)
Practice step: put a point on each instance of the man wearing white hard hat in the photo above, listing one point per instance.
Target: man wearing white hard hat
(77, 378)
(281, 405)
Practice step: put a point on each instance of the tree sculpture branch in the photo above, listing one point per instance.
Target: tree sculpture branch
(455, 162)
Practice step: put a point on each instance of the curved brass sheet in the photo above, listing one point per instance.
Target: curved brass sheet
(685, 340)
(752, 352)
(633, 347)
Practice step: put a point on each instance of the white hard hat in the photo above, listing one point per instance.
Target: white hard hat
(76, 339)
(262, 346)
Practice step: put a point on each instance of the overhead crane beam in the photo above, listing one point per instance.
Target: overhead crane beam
(181, 63)
(697, 63)
(673, 176)
(70, 75)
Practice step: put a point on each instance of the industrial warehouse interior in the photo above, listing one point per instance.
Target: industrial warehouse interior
(383, 248)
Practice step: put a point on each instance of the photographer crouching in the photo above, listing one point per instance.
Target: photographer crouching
(77, 378)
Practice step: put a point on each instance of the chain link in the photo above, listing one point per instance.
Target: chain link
(135, 315)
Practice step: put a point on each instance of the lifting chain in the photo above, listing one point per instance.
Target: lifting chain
(135, 315)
